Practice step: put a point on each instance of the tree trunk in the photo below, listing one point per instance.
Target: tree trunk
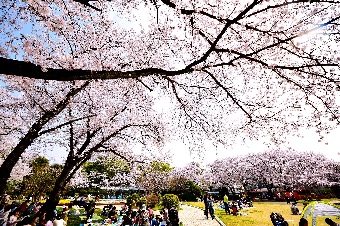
(70, 167)
(59, 187)
(14, 156)
(31, 135)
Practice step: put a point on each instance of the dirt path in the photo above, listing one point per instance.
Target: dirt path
(191, 216)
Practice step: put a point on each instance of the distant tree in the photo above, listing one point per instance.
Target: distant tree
(107, 172)
(272, 169)
(190, 172)
(133, 198)
(185, 189)
(153, 176)
(41, 180)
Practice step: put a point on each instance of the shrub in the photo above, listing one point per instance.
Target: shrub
(134, 197)
(152, 200)
(170, 200)
(191, 192)
(141, 202)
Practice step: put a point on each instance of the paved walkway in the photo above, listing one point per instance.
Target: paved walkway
(191, 216)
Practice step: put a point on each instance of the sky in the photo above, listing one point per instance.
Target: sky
(181, 156)
(181, 153)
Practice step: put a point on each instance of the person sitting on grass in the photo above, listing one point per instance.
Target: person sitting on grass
(239, 203)
(234, 209)
(294, 209)
(113, 215)
(153, 221)
(13, 219)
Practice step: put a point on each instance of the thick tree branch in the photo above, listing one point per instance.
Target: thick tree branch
(30, 70)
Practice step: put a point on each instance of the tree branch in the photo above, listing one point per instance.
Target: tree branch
(229, 94)
(30, 70)
(64, 124)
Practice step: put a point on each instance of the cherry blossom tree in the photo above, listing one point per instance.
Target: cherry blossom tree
(119, 122)
(228, 68)
(153, 176)
(29, 109)
(272, 169)
(256, 67)
(41, 180)
(192, 171)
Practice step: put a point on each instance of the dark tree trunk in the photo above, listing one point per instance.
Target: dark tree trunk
(31, 135)
(72, 164)
(14, 156)
(59, 187)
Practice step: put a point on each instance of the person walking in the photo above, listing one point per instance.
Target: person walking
(226, 203)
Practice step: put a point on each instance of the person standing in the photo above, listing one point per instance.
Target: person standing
(226, 203)
(205, 200)
(210, 203)
(173, 217)
(150, 213)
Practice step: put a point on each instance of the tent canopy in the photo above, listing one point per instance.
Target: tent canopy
(317, 209)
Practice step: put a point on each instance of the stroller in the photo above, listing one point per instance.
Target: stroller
(278, 220)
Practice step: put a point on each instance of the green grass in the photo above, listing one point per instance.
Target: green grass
(259, 215)
(255, 216)
(81, 219)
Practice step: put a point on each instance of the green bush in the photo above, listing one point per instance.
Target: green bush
(191, 192)
(152, 200)
(170, 200)
(141, 202)
(134, 197)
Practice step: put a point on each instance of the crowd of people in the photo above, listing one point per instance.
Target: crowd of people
(27, 214)
(230, 207)
(140, 217)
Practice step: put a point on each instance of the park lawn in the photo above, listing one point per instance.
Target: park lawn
(81, 219)
(259, 215)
